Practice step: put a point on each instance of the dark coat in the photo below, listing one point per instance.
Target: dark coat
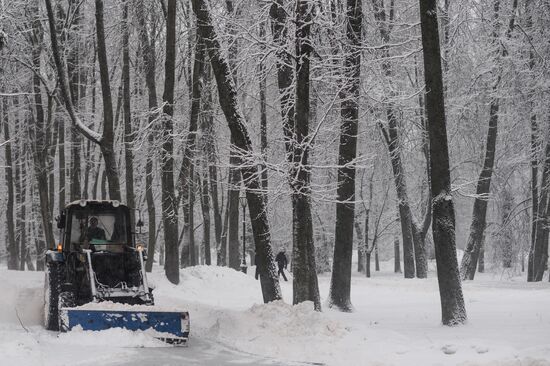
(281, 260)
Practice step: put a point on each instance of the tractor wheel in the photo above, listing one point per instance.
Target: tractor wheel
(66, 300)
(52, 287)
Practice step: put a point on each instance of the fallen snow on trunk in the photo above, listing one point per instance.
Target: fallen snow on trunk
(396, 322)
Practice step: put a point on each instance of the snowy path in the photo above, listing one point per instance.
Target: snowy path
(200, 352)
(395, 322)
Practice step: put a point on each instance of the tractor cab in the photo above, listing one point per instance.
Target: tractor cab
(96, 225)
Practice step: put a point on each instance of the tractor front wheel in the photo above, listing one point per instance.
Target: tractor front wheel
(52, 287)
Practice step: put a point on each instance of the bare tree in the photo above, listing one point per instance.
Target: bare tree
(169, 202)
(228, 101)
(443, 227)
(479, 221)
(340, 286)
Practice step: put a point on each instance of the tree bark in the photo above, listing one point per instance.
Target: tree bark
(126, 104)
(169, 203)
(305, 284)
(40, 150)
(396, 256)
(538, 252)
(10, 207)
(107, 140)
(210, 147)
(361, 248)
(443, 227)
(228, 101)
(391, 135)
(73, 71)
(149, 62)
(263, 113)
(233, 190)
(205, 205)
(186, 175)
(340, 288)
(233, 243)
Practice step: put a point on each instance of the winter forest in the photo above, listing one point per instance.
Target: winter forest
(405, 142)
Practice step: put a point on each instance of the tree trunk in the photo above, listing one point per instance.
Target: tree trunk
(149, 61)
(340, 288)
(481, 261)
(222, 253)
(233, 191)
(377, 258)
(233, 243)
(186, 175)
(205, 205)
(61, 164)
(537, 256)
(128, 134)
(391, 135)
(443, 227)
(305, 284)
(19, 161)
(263, 113)
(22, 203)
(210, 147)
(361, 248)
(479, 221)
(228, 101)
(73, 71)
(10, 207)
(169, 204)
(396, 255)
(40, 149)
(107, 140)
(366, 243)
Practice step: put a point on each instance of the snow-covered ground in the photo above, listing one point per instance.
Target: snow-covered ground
(396, 322)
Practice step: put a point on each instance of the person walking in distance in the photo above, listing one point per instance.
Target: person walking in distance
(282, 262)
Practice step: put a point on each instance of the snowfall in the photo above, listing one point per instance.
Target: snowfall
(394, 322)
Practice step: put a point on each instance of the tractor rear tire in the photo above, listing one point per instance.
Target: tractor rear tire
(52, 287)
(67, 299)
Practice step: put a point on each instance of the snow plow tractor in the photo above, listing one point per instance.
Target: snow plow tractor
(95, 278)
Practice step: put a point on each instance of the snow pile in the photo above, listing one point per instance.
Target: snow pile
(277, 330)
(283, 320)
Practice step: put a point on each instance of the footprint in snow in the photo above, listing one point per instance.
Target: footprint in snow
(481, 349)
(449, 349)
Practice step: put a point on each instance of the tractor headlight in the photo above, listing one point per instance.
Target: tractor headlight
(83, 203)
(116, 203)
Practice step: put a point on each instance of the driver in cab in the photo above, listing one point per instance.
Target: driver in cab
(94, 232)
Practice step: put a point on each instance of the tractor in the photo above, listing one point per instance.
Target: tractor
(96, 276)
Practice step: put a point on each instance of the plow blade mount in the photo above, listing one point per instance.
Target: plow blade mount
(170, 326)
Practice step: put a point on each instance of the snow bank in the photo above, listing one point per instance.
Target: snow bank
(21, 297)
(278, 330)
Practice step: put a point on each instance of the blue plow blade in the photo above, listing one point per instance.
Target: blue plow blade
(172, 327)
